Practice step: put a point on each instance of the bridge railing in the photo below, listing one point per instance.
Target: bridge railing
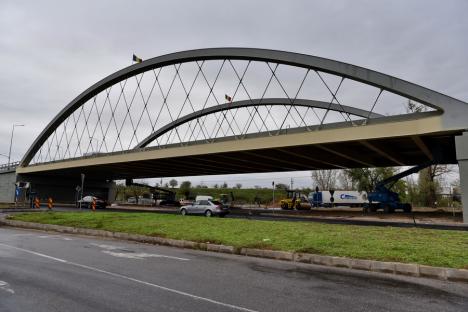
(9, 167)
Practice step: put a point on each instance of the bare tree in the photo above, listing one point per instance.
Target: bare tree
(325, 179)
(430, 183)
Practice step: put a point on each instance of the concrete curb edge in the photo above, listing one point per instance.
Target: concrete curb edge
(408, 269)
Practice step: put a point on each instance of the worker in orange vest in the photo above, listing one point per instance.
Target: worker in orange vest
(50, 203)
(37, 202)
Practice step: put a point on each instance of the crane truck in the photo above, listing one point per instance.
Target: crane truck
(383, 198)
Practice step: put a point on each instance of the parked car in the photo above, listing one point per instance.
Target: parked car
(205, 207)
(87, 201)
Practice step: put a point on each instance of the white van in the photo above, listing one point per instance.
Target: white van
(203, 197)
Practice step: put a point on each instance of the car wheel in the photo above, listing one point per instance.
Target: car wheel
(183, 212)
(208, 213)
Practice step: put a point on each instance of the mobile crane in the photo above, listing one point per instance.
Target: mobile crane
(383, 198)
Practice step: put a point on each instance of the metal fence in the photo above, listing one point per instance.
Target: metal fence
(9, 167)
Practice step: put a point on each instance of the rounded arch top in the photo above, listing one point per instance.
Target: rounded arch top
(398, 86)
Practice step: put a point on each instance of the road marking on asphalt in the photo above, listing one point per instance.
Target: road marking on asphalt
(175, 291)
(56, 237)
(122, 253)
(140, 256)
(6, 287)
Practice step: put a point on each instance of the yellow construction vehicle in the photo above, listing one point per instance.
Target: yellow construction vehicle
(293, 200)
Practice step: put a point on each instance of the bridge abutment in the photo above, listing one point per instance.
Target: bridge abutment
(64, 189)
(7, 186)
(461, 144)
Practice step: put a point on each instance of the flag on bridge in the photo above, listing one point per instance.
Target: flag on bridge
(228, 98)
(137, 59)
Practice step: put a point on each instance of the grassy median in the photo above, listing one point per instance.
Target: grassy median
(412, 245)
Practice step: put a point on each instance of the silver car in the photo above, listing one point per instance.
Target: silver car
(205, 207)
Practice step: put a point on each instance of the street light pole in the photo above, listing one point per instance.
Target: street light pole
(11, 141)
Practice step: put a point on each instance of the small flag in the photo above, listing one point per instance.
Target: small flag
(137, 59)
(228, 98)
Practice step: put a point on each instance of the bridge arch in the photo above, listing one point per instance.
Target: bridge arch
(254, 102)
(451, 109)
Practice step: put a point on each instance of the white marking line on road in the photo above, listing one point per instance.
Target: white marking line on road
(6, 287)
(140, 256)
(56, 237)
(109, 249)
(132, 279)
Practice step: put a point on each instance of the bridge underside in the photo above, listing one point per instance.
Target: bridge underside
(396, 151)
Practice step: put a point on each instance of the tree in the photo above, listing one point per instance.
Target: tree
(185, 185)
(216, 186)
(173, 183)
(324, 179)
(367, 178)
(429, 183)
(345, 182)
(281, 186)
(136, 191)
(224, 185)
(185, 188)
(413, 107)
(238, 186)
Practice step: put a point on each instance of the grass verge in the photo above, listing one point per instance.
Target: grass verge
(411, 245)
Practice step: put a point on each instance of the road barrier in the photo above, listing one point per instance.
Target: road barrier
(50, 203)
(37, 203)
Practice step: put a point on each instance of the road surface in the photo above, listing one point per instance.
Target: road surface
(42, 271)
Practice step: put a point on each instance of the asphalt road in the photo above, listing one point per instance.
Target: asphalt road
(41, 271)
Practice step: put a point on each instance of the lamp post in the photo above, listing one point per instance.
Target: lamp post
(11, 141)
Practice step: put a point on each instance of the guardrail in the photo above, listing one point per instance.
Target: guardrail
(9, 167)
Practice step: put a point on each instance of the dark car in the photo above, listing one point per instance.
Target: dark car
(87, 201)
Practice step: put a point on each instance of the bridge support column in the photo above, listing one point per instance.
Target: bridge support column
(461, 144)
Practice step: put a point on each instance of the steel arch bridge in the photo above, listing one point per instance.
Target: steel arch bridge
(239, 110)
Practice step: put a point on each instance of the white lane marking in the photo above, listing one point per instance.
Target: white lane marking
(108, 247)
(175, 291)
(140, 256)
(56, 237)
(110, 250)
(6, 287)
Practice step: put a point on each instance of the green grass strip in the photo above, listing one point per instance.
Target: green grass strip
(411, 245)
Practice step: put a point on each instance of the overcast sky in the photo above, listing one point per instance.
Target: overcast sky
(51, 51)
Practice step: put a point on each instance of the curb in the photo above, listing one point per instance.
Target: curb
(395, 268)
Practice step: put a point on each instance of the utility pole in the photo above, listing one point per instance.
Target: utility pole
(82, 187)
(291, 184)
(273, 185)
